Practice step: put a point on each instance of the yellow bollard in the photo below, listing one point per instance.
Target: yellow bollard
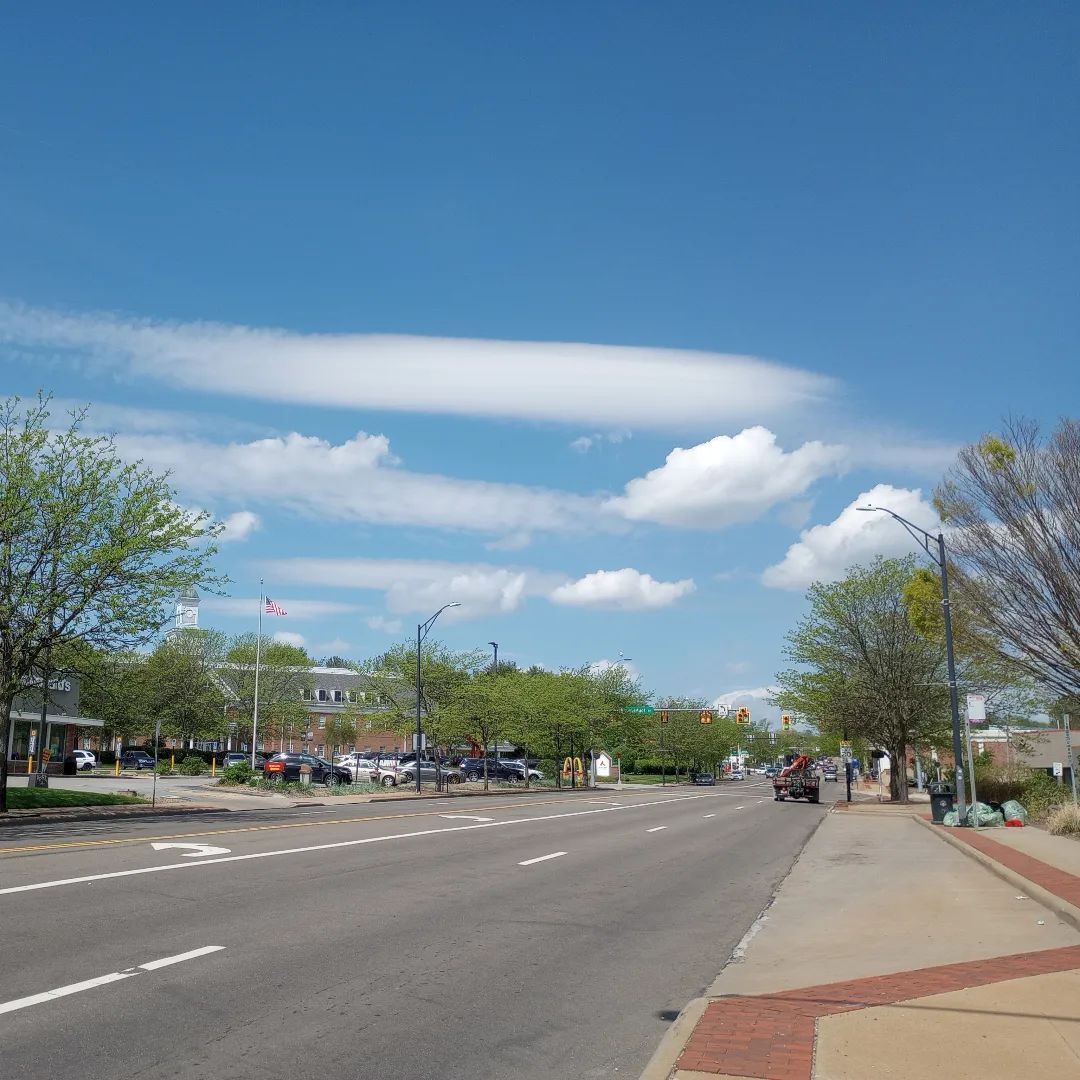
(116, 769)
(213, 767)
(29, 764)
(172, 761)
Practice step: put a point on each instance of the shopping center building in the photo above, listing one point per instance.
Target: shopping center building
(64, 729)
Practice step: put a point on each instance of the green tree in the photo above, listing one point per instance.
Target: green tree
(184, 686)
(92, 549)
(284, 678)
(864, 668)
(340, 731)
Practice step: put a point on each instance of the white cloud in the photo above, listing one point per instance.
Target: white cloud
(104, 417)
(335, 647)
(423, 587)
(744, 697)
(795, 514)
(584, 443)
(598, 667)
(824, 552)
(297, 608)
(239, 526)
(387, 626)
(290, 637)
(737, 667)
(627, 589)
(357, 481)
(729, 479)
(582, 383)
(511, 542)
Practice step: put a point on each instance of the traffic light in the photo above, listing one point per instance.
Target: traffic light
(785, 721)
(743, 715)
(664, 717)
(705, 716)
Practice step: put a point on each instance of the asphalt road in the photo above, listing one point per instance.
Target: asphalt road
(554, 938)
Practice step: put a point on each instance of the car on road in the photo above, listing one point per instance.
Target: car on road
(84, 760)
(136, 759)
(285, 767)
(703, 779)
(473, 770)
(829, 772)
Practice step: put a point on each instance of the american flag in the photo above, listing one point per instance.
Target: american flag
(274, 609)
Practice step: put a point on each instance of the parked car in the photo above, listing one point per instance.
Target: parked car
(136, 759)
(473, 770)
(772, 770)
(829, 772)
(238, 757)
(287, 767)
(363, 770)
(519, 766)
(703, 779)
(84, 760)
(403, 771)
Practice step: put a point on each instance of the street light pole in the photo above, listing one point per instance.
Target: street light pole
(495, 671)
(421, 633)
(928, 542)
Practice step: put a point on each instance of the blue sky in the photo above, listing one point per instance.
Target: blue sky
(421, 299)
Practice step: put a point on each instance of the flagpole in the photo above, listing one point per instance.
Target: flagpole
(258, 656)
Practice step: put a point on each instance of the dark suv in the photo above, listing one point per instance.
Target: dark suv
(136, 759)
(473, 769)
(287, 767)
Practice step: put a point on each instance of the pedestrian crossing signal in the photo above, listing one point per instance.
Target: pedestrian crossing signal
(785, 721)
(664, 717)
(743, 715)
(705, 716)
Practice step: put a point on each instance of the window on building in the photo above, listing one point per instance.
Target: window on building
(305, 694)
(320, 749)
(323, 696)
(367, 725)
(322, 722)
(337, 696)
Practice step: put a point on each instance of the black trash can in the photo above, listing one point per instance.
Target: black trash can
(941, 801)
(71, 765)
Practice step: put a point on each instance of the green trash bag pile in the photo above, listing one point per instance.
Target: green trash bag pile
(951, 818)
(1014, 811)
(986, 817)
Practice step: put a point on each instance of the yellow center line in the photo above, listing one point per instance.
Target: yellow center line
(69, 844)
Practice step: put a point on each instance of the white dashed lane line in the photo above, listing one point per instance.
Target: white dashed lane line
(656, 828)
(542, 858)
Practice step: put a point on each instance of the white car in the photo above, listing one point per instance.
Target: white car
(84, 760)
(363, 770)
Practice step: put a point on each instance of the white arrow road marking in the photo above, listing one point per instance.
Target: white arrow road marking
(195, 851)
(542, 858)
(740, 807)
(712, 815)
(464, 817)
(656, 828)
(103, 980)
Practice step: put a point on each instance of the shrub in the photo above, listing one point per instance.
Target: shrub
(1064, 820)
(164, 768)
(1041, 794)
(240, 773)
(192, 765)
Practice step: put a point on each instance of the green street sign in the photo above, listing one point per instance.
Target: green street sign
(646, 710)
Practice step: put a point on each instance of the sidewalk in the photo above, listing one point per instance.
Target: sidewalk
(889, 953)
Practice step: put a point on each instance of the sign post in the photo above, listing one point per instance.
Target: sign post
(976, 714)
(1069, 755)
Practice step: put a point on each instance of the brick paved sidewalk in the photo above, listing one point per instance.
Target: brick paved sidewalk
(753, 1025)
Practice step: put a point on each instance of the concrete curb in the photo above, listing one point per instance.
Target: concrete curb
(662, 1063)
(61, 818)
(1063, 908)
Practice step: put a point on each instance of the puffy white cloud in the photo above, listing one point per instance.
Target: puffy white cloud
(335, 647)
(729, 479)
(357, 481)
(387, 626)
(512, 542)
(584, 443)
(422, 586)
(598, 384)
(824, 552)
(239, 526)
(744, 697)
(628, 589)
(297, 608)
(290, 637)
(598, 667)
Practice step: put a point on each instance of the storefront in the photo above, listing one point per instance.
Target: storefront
(64, 729)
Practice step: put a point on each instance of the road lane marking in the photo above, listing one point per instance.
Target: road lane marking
(102, 980)
(179, 958)
(111, 875)
(656, 828)
(464, 817)
(198, 851)
(710, 815)
(740, 807)
(70, 844)
(542, 858)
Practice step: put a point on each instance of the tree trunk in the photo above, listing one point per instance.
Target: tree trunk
(898, 787)
(5, 728)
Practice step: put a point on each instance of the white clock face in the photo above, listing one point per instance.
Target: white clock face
(188, 616)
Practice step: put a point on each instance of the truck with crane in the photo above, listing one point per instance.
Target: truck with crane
(799, 780)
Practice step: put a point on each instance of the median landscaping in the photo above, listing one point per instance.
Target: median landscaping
(45, 798)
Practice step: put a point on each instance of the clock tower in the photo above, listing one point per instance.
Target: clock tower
(187, 610)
